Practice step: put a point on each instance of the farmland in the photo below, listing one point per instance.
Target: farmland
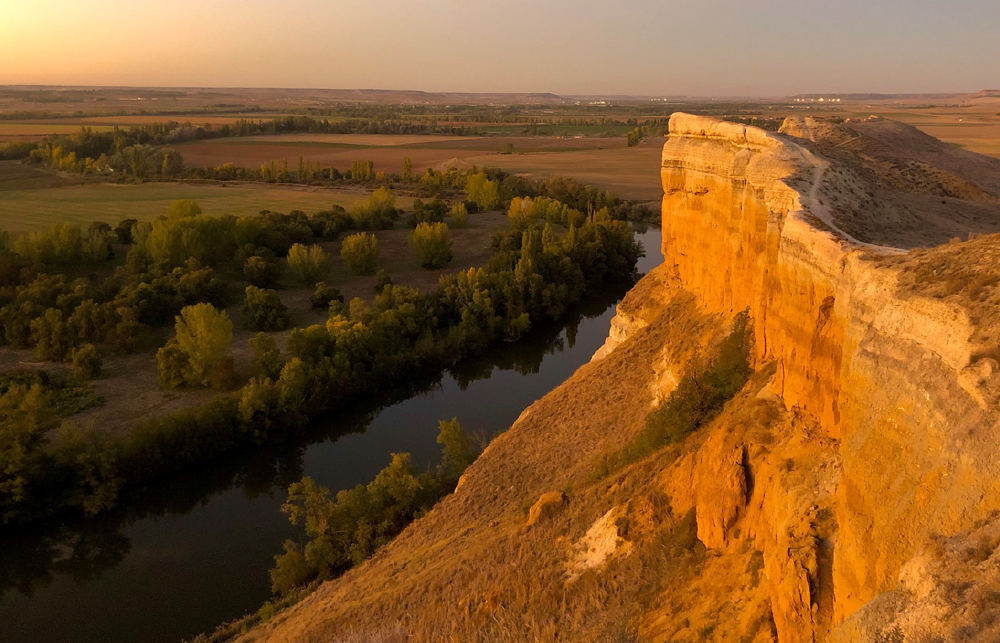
(38, 200)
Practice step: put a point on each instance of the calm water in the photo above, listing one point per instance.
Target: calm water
(190, 553)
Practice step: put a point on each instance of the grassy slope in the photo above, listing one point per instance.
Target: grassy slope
(472, 570)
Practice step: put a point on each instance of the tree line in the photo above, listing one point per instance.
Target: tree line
(543, 264)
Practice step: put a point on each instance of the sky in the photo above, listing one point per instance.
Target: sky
(639, 47)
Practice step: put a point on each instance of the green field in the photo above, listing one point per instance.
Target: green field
(23, 210)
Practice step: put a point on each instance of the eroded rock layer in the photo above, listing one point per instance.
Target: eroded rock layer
(747, 225)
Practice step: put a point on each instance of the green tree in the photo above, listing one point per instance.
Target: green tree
(360, 253)
(25, 416)
(307, 263)
(484, 192)
(264, 310)
(457, 449)
(407, 169)
(261, 272)
(267, 360)
(86, 362)
(378, 212)
(431, 244)
(459, 215)
(323, 294)
(198, 355)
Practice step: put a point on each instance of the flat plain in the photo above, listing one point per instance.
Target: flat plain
(33, 199)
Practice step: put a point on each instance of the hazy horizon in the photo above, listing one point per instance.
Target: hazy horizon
(649, 48)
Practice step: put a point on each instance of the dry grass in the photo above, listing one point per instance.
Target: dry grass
(966, 273)
(32, 201)
(386, 151)
(472, 571)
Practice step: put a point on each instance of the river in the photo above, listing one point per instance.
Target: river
(187, 554)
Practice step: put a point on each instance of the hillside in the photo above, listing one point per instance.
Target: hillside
(849, 492)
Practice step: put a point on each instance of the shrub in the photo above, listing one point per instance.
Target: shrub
(261, 271)
(86, 362)
(323, 294)
(308, 263)
(263, 309)
(431, 245)
(360, 253)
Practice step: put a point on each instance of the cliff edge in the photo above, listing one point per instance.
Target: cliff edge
(849, 492)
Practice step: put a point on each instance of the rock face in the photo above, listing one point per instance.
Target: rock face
(746, 226)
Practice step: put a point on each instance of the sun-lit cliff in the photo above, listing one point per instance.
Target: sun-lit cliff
(851, 491)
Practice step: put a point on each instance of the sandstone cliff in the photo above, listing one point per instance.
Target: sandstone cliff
(850, 492)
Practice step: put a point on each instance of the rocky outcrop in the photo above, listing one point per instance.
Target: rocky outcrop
(746, 227)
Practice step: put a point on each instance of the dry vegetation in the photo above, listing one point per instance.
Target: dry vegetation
(966, 273)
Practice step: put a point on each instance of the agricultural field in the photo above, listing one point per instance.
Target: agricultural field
(386, 151)
(32, 199)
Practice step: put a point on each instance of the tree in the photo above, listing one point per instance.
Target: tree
(267, 360)
(377, 213)
(323, 294)
(431, 244)
(484, 192)
(457, 449)
(262, 272)
(198, 355)
(360, 253)
(264, 310)
(308, 263)
(459, 215)
(24, 417)
(182, 209)
(407, 169)
(86, 362)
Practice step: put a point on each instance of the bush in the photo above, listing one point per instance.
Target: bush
(86, 362)
(360, 253)
(323, 294)
(263, 309)
(431, 245)
(261, 271)
(699, 395)
(308, 263)
(198, 355)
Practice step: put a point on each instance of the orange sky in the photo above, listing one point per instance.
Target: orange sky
(640, 46)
